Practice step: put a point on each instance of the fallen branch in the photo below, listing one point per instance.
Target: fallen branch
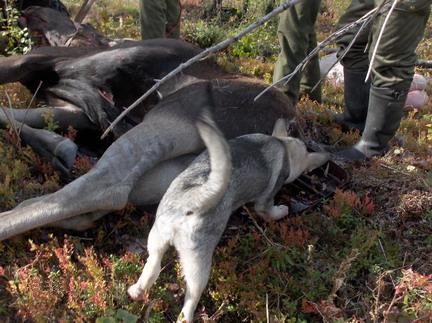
(28, 107)
(345, 51)
(201, 56)
(10, 117)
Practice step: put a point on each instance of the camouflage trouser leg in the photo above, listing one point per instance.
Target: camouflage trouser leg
(173, 18)
(296, 33)
(393, 66)
(159, 18)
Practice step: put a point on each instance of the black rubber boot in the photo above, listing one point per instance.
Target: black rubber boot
(356, 95)
(383, 119)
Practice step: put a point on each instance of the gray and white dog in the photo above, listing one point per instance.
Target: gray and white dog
(195, 209)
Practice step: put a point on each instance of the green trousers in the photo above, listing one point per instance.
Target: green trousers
(393, 66)
(160, 18)
(296, 33)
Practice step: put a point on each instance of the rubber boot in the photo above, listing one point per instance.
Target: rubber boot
(383, 119)
(356, 95)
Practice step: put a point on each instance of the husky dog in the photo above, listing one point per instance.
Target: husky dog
(195, 209)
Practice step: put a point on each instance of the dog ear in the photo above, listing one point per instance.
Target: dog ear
(315, 160)
(279, 129)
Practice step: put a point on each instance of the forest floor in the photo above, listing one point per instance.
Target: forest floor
(363, 255)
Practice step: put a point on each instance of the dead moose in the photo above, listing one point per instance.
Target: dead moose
(88, 87)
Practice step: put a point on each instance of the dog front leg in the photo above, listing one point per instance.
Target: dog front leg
(266, 209)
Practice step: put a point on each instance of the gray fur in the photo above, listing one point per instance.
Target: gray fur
(261, 164)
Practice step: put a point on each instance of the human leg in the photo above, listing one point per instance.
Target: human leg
(296, 28)
(153, 18)
(392, 72)
(173, 13)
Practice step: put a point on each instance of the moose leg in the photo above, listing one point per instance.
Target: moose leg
(59, 150)
(49, 145)
(36, 118)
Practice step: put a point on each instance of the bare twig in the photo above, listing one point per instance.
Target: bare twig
(272, 243)
(341, 274)
(201, 56)
(10, 117)
(148, 310)
(386, 259)
(330, 39)
(28, 107)
(379, 37)
(317, 308)
(345, 51)
(219, 312)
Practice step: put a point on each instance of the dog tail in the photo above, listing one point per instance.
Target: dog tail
(211, 192)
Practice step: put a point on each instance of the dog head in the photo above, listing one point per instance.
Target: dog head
(300, 160)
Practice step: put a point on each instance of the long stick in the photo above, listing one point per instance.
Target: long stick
(342, 55)
(201, 56)
(345, 51)
(28, 106)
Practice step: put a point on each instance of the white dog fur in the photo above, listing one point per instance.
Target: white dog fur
(197, 205)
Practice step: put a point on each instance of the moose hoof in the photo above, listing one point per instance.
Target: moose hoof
(64, 155)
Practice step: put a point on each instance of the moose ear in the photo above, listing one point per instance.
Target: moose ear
(279, 129)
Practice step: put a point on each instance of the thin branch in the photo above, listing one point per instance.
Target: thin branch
(330, 39)
(386, 259)
(345, 51)
(148, 311)
(342, 55)
(28, 107)
(219, 312)
(201, 56)
(270, 242)
(315, 305)
(380, 36)
(10, 117)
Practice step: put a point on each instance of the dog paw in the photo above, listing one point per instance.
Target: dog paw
(277, 212)
(134, 292)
